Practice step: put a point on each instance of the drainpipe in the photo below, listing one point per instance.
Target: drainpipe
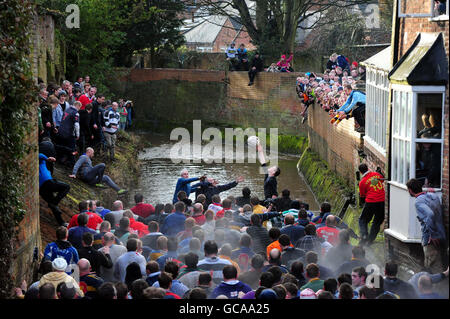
(394, 59)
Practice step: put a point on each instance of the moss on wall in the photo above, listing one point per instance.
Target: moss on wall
(330, 187)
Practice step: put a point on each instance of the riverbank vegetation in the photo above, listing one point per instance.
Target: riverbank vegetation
(125, 172)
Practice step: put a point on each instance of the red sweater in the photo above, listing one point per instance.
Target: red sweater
(93, 221)
(141, 228)
(372, 188)
(143, 210)
(330, 234)
(200, 219)
(85, 100)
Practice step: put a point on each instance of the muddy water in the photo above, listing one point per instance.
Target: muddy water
(159, 174)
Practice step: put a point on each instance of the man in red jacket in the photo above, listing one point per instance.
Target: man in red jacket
(94, 219)
(140, 228)
(371, 189)
(329, 232)
(142, 209)
(87, 98)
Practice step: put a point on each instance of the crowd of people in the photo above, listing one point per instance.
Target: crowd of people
(74, 122)
(222, 248)
(337, 91)
(74, 116)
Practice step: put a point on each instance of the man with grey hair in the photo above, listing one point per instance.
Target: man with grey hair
(184, 184)
(112, 119)
(115, 251)
(93, 175)
(116, 213)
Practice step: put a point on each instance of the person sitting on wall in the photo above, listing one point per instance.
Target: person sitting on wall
(284, 64)
(231, 54)
(242, 57)
(257, 65)
(355, 106)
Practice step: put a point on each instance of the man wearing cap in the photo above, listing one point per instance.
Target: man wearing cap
(58, 276)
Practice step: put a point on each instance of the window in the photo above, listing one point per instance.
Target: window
(440, 10)
(429, 139)
(377, 100)
(436, 10)
(401, 136)
(417, 134)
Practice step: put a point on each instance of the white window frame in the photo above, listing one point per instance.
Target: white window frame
(403, 223)
(377, 90)
(412, 139)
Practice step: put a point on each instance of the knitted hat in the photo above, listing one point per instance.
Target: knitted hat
(59, 264)
(268, 294)
(307, 294)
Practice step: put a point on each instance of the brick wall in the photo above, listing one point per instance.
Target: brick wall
(178, 96)
(338, 145)
(28, 232)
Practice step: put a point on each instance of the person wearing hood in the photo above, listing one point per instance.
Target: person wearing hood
(284, 64)
(58, 276)
(230, 286)
(61, 248)
(130, 113)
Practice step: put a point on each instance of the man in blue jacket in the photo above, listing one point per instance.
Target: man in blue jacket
(48, 186)
(184, 184)
(174, 223)
(356, 104)
(429, 214)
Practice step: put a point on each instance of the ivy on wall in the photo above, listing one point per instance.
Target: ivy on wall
(17, 100)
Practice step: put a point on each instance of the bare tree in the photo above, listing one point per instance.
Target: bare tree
(279, 18)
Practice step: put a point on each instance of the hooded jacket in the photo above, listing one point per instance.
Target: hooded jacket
(63, 249)
(57, 277)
